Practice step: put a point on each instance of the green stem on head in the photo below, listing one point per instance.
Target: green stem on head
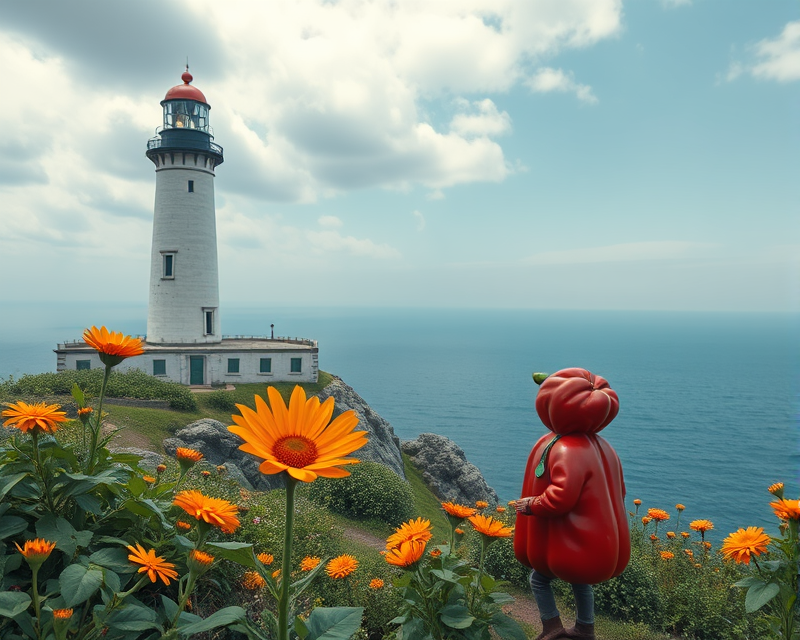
(283, 600)
(98, 421)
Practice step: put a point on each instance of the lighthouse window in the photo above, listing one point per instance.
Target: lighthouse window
(82, 365)
(297, 365)
(159, 367)
(168, 266)
(191, 186)
(209, 322)
(266, 365)
(233, 365)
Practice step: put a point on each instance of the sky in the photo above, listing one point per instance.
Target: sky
(553, 154)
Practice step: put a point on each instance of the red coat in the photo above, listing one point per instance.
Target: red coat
(578, 527)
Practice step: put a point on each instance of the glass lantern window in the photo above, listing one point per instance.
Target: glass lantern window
(185, 114)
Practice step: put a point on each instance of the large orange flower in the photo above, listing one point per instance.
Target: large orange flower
(419, 529)
(216, 511)
(488, 526)
(301, 440)
(406, 554)
(659, 515)
(155, 566)
(113, 347)
(786, 509)
(744, 543)
(458, 510)
(40, 416)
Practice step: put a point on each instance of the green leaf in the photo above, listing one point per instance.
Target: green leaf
(13, 603)
(89, 503)
(500, 597)
(61, 532)
(11, 525)
(403, 581)
(748, 581)
(413, 630)
(456, 616)
(137, 486)
(333, 623)
(239, 552)
(221, 618)
(506, 627)
(759, 594)
(487, 582)
(170, 607)
(134, 618)
(78, 583)
(300, 628)
(7, 483)
(445, 574)
(78, 394)
(183, 542)
(10, 563)
(114, 558)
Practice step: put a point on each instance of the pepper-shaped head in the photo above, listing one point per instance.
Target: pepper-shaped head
(576, 401)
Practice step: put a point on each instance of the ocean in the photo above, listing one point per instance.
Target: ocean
(708, 401)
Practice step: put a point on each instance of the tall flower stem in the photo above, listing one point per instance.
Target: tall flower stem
(98, 421)
(37, 461)
(35, 593)
(484, 544)
(283, 600)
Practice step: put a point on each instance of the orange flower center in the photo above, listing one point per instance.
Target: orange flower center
(295, 451)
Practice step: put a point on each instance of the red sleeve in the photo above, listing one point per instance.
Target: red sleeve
(566, 483)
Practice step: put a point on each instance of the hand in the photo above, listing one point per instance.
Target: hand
(523, 506)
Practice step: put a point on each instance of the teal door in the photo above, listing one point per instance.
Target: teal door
(196, 366)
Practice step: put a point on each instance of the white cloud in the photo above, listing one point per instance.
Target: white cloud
(774, 58)
(484, 119)
(420, 220)
(548, 79)
(628, 252)
(330, 221)
(674, 4)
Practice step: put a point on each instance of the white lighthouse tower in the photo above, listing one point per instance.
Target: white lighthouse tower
(184, 278)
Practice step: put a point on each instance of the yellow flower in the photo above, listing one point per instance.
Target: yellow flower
(458, 510)
(215, 511)
(419, 529)
(155, 566)
(376, 583)
(786, 509)
(701, 525)
(266, 558)
(39, 416)
(341, 566)
(488, 526)
(308, 563)
(113, 347)
(481, 504)
(302, 439)
(659, 515)
(36, 551)
(253, 581)
(667, 555)
(744, 543)
(406, 553)
(62, 614)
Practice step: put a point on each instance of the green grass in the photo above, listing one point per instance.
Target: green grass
(426, 504)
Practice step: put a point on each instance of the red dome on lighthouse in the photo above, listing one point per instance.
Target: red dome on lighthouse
(185, 91)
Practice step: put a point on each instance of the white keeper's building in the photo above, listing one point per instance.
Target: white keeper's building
(184, 341)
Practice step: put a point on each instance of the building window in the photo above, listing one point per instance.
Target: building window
(167, 265)
(83, 365)
(191, 186)
(159, 367)
(208, 322)
(266, 365)
(233, 365)
(297, 365)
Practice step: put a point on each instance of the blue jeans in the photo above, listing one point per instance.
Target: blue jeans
(545, 600)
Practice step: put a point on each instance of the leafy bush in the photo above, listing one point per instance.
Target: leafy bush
(370, 491)
(222, 400)
(632, 595)
(128, 384)
(503, 565)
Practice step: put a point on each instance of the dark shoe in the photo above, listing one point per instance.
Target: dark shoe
(581, 632)
(552, 629)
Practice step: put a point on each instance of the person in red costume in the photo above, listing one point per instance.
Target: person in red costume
(572, 523)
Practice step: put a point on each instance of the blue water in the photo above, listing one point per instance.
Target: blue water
(709, 402)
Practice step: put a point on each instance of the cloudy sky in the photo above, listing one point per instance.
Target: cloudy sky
(568, 154)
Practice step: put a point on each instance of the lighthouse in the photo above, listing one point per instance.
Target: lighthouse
(184, 341)
(184, 276)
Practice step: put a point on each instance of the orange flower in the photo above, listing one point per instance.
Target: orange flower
(36, 551)
(637, 502)
(435, 553)
(786, 509)
(670, 534)
(188, 455)
(776, 489)
(276, 574)
(701, 525)
(707, 545)
(458, 510)
(183, 526)
(308, 563)
(406, 553)
(459, 531)
(266, 558)
(215, 511)
(40, 416)
(685, 534)
(112, 347)
(149, 479)
(221, 468)
(667, 555)
(341, 566)
(205, 473)
(419, 529)
(62, 614)
(155, 566)
(376, 583)
(744, 543)
(481, 504)
(253, 581)
(488, 526)
(161, 468)
(201, 557)
(698, 566)
(646, 520)
(83, 411)
(659, 515)
(500, 509)
(689, 553)
(302, 439)
(653, 537)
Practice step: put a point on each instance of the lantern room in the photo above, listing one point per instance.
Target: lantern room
(185, 106)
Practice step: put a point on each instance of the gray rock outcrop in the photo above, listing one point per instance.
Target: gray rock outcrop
(446, 470)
